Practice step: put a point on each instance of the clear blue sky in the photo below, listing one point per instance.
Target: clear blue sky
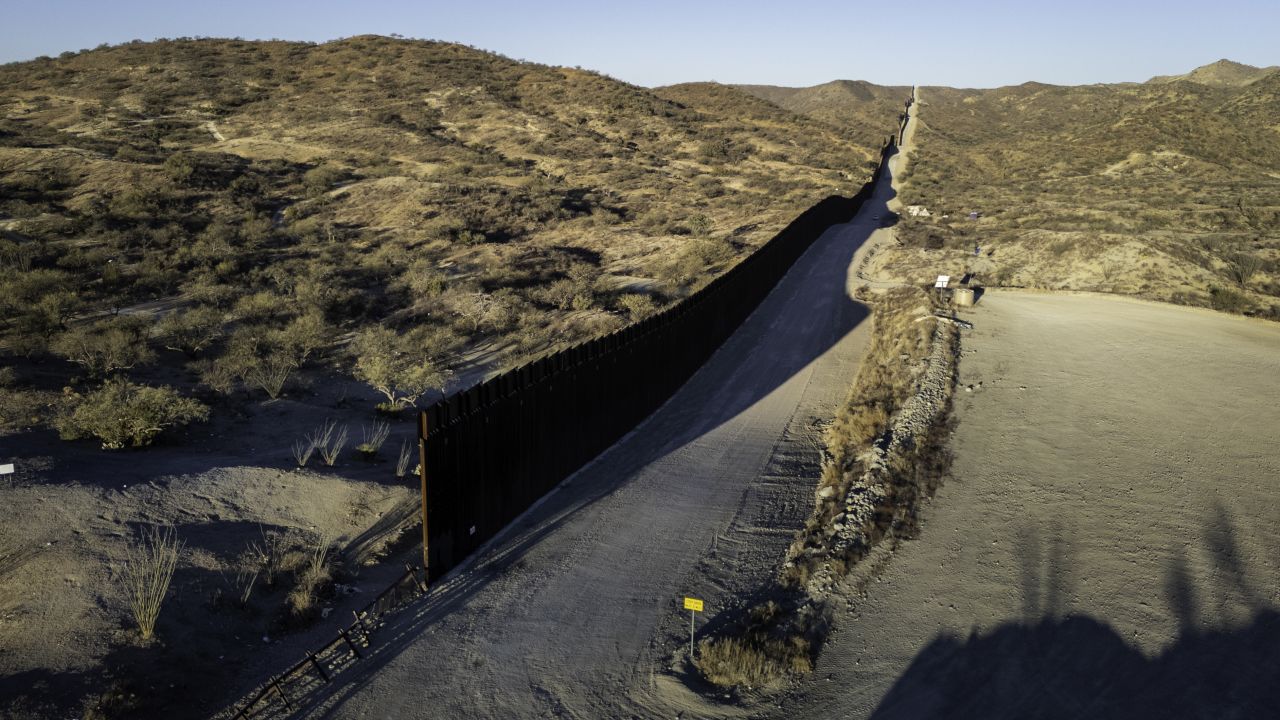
(657, 42)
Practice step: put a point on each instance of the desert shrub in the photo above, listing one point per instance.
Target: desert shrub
(190, 331)
(121, 413)
(302, 450)
(1227, 300)
(22, 407)
(422, 281)
(148, 569)
(559, 293)
(1061, 247)
(700, 225)
(709, 186)
(638, 305)
(294, 561)
(1242, 266)
(203, 169)
(301, 337)
(394, 366)
(319, 179)
(722, 148)
(268, 373)
(765, 650)
(263, 357)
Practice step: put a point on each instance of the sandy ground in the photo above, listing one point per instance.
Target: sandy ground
(575, 611)
(1110, 543)
(69, 512)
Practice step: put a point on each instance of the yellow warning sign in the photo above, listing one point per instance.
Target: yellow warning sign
(693, 604)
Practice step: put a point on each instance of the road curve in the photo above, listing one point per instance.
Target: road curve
(574, 610)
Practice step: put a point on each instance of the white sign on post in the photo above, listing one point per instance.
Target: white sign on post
(6, 469)
(942, 281)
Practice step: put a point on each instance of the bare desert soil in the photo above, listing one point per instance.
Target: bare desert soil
(70, 510)
(1109, 545)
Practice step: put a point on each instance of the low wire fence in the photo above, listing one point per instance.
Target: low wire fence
(322, 665)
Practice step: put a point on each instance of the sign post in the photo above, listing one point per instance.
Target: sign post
(694, 606)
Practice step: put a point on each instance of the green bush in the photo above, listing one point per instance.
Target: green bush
(121, 414)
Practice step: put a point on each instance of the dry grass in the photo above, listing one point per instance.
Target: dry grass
(296, 563)
(148, 569)
(329, 439)
(311, 574)
(769, 645)
(404, 458)
(373, 437)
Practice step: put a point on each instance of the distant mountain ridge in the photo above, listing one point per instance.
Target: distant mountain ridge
(1223, 73)
(844, 104)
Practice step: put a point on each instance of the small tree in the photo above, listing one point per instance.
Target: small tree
(301, 337)
(386, 362)
(476, 308)
(121, 414)
(261, 358)
(192, 331)
(148, 570)
(113, 346)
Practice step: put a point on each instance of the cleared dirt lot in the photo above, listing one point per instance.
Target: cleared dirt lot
(1109, 545)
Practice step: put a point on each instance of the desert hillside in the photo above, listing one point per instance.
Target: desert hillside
(853, 105)
(1223, 73)
(1168, 191)
(249, 189)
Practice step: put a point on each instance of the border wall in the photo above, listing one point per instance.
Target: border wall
(491, 451)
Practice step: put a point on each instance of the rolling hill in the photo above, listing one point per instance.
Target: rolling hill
(458, 194)
(1223, 73)
(1169, 191)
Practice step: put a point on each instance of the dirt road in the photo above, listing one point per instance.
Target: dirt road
(575, 611)
(885, 237)
(1110, 543)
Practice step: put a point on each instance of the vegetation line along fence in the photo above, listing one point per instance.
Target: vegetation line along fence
(489, 452)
